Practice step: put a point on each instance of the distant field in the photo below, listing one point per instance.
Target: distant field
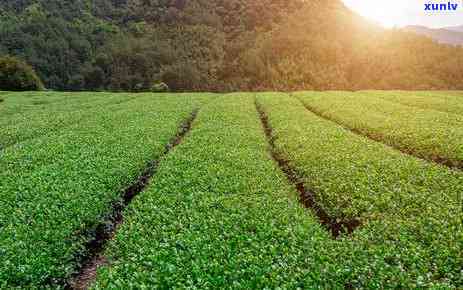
(306, 190)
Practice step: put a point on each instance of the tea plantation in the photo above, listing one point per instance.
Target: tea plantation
(304, 190)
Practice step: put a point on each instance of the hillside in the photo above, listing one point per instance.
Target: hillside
(455, 28)
(198, 45)
(451, 35)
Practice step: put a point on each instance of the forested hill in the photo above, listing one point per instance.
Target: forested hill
(442, 35)
(219, 45)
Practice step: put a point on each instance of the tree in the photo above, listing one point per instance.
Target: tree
(16, 75)
(220, 45)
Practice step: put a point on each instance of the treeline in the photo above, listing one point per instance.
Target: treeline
(221, 45)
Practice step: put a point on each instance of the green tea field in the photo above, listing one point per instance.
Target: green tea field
(305, 190)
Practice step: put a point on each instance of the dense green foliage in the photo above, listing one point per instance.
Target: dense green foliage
(29, 103)
(444, 102)
(56, 37)
(32, 115)
(62, 185)
(429, 134)
(15, 75)
(232, 220)
(219, 45)
(219, 212)
(402, 202)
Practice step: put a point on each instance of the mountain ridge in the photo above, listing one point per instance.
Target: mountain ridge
(446, 35)
(455, 28)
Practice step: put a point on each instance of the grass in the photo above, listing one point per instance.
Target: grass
(220, 212)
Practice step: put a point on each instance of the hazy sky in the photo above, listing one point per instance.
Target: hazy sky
(407, 12)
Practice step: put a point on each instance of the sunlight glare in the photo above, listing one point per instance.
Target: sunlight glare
(388, 13)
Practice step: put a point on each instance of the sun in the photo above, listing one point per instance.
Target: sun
(388, 13)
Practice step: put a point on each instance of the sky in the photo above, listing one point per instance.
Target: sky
(400, 13)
